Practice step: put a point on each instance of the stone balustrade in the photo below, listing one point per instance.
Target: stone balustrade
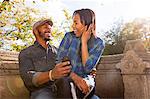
(135, 70)
(122, 76)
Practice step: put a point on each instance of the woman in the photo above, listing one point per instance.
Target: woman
(83, 48)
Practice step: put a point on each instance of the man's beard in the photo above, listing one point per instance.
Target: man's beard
(46, 39)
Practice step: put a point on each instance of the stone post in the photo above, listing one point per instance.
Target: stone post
(133, 69)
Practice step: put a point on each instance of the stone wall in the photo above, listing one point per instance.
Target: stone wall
(119, 76)
(109, 83)
(11, 85)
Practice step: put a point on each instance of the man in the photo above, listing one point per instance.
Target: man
(37, 64)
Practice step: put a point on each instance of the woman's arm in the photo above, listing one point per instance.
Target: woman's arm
(86, 35)
(80, 83)
(94, 55)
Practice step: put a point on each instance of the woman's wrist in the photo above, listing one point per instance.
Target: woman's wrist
(84, 41)
(72, 76)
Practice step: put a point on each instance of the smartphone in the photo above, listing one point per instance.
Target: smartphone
(66, 58)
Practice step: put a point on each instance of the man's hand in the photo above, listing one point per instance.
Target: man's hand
(61, 70)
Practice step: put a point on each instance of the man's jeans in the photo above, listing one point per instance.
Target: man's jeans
(95, 97)
(64, 90)
(45, 93)
(50, 93)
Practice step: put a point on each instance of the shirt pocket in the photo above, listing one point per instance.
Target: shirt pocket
(40, 63)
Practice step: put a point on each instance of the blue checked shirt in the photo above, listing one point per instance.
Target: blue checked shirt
(71, 46)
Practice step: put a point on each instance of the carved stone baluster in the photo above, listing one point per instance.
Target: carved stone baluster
(133, 68)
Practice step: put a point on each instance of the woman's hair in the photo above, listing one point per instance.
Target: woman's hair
(87, 16)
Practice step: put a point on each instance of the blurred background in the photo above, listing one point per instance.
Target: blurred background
(117, 21)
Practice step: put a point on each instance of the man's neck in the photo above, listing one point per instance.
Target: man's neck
(43, 43)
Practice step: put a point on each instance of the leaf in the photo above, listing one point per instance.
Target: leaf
(44, 0)
(33, 2)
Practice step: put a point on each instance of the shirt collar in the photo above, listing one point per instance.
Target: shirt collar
(36, 43)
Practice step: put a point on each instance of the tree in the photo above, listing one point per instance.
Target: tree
(59, 31)
(137, 29)
(114, 42)
(16, 20)
(117, 36)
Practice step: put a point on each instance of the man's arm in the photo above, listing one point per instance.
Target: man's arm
(26, 69)
(33, 78)
(60, 70)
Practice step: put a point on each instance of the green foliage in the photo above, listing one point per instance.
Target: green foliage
(44, 0)
(132, 30)
(117, 36)
(114, 49)
(114, 43)
(16, 20)
(112, 36)
(16, 25)
(59, 31)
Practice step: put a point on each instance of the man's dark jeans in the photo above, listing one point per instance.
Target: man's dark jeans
(64, 90)
(45, 93)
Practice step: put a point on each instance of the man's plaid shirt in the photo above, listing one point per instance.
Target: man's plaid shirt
(71, 46)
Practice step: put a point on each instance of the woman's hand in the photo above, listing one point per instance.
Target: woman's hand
(80, 83)
(87, 33)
